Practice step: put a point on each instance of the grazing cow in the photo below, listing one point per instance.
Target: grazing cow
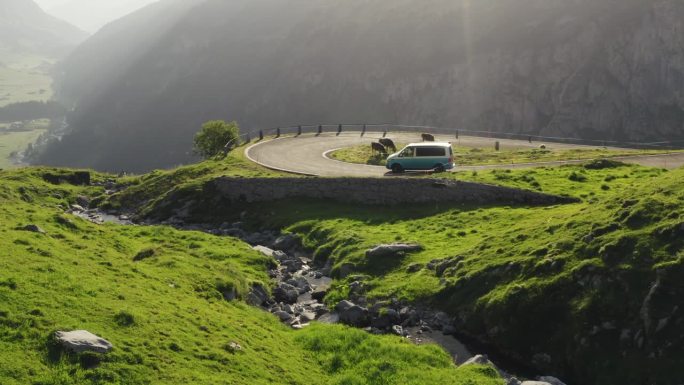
(389, 144)
(377, 147)
(428, 138)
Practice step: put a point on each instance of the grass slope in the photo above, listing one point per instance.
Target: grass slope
(587, 291)
(24, 78)
(468, 156)
(166, 314)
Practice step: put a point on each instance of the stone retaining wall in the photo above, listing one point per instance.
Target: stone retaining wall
(382, 191)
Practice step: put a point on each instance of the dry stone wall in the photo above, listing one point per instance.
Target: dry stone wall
(380, 191)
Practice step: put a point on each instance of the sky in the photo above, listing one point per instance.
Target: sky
(91, 15)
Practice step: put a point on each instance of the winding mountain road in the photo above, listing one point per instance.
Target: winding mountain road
(308, 154)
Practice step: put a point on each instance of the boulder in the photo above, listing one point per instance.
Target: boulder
(286, 242)
(354, 316)
(318, 295)
(286, 293)
(343, 305)
(478, 359)
(79, 341)
(391, 250)
(398, 330)
(265, 251)
(283, 315)
(257, 295)
(307, 316)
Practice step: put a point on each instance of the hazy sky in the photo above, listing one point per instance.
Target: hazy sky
(91, 15)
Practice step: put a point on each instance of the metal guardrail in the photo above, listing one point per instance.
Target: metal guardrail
(386, 129)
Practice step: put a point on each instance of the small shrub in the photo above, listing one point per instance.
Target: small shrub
(214, 136)
(605, 187)
(577, 177)
(124, 318)
(9, 283)
(144, 254)
(89, 360)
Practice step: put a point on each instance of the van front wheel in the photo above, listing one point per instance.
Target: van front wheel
(439, 168)
(397, 169)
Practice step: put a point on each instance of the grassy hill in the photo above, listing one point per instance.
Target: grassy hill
(166, 315)
(586, 291)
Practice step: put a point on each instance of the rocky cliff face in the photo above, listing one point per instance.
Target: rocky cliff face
(601, 69)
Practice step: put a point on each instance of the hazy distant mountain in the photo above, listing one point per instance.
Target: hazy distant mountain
(586, 68)
(25, 27)
(91, 15)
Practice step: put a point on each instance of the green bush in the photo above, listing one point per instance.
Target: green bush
(216, 135)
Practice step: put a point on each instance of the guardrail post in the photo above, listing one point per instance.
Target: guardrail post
(320, 129)
(261, 134)
(339, 129)
(384, 133)
(278, 132)
(364, 130)
(456, 134)
(248, 138)
(299, 130)
(529, 139)
(497, 145)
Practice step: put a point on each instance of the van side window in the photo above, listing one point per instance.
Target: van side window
(430, 151)
(409, 152)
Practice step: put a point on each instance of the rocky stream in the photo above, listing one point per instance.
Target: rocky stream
(300, 287)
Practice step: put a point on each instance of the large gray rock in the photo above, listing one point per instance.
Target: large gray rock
(286, 242)
(257, 295)
(392, 250)
(265, 251)
(354, 316)
(286, 293)
(79, 341)
(478, 359)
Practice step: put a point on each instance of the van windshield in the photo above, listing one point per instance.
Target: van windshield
(430, 151)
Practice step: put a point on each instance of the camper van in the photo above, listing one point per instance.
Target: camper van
(422, 156)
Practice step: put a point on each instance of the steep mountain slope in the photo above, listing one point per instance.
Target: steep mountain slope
(25, 27)
(610, 69)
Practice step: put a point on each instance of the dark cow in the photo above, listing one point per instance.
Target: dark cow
(389, 144)
(377, 147)
(428, 138)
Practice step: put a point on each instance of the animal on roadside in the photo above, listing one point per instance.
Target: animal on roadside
(428, 138)
(389, 144)
(378, 148)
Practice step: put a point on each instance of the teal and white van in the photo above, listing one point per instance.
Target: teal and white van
(422, 156)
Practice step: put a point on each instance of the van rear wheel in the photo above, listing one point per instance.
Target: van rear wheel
(397, 169)
(439, 168)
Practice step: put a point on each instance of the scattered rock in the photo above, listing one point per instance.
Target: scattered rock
(33, 229)
(286, 242)
(414, 268)
(286, 293)
(390, 250)
(354, 316)
(233, 347)
(265, 251)
(283, 315)
(257, 295)
(82, 341)
(307, 316)
(343, 305)
(478, 360)
(83, 201)
(398, 330)
(77, 208)
(318, 295)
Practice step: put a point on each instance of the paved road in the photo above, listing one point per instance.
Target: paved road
(306, 154)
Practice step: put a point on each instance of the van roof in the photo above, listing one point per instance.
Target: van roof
(430, 144)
